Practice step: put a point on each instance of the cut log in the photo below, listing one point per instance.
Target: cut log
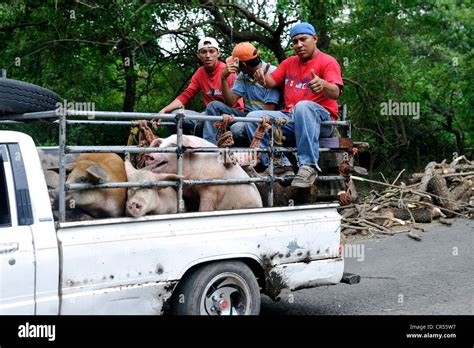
(464, 167)
(428, 174)
(415, 177)
(422, 215)
(459, 191)
(438, 185)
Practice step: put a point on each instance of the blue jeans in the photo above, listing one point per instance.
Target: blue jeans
(304, 132)
(189, 126)
(217, 108)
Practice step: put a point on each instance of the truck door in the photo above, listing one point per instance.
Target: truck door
(17, 259)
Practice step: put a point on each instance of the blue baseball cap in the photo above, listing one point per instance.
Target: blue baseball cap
(302, 28)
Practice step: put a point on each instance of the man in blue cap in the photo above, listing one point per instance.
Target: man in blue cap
(312, 83)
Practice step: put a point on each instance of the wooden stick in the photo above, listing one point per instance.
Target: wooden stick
(353, 227)
(364, 221)
(415, 192)
(432, 205)
(457, 174)
(398, 176)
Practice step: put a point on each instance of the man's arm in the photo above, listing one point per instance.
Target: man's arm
(230, 68)
(330, 90)
(188, 94)
(175, 104)
(229, 97)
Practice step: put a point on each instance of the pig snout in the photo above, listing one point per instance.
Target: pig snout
(136, 208)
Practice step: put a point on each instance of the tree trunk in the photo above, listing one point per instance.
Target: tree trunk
(130, 77)
(130, 82)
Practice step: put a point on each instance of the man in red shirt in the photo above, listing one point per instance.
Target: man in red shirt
(312, 83)
(207, 80)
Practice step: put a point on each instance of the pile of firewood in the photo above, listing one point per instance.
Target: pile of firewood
(443, 191)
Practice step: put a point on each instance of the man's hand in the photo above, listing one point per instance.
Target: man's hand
(259, 75)
(231, 67)
(317, 84)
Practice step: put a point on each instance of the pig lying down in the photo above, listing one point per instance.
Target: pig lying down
(153, 200)
(50, 165)
(202, 166)
(98, 168)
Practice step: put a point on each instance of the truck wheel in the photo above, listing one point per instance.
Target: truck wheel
(221, 288)
(17, 97)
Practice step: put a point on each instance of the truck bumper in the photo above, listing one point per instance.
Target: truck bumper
(302, 275)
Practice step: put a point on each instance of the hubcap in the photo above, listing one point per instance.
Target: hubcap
(226, 294)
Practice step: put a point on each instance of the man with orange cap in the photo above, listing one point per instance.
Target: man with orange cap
(206, 80)
(312, 83)
(245, 58)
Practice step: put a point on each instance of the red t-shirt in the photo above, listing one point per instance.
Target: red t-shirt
(296, 74)
(210, 86)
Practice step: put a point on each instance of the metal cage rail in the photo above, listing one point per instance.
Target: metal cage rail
(61, 118)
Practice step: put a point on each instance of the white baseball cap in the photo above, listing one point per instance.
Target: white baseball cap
(208, 42)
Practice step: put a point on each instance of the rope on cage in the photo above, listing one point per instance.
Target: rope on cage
(142, 136)
(278, 133)
(225, 139)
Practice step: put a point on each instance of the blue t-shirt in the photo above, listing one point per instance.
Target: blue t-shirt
(254, 94)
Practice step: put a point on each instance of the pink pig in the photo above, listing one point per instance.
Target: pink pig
(204, 166)
(149, 200)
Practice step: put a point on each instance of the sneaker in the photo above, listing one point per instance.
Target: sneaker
(305, 177)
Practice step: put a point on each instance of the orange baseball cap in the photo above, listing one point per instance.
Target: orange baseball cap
(244, 51)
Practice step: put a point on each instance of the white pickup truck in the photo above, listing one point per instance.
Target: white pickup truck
(210, 263)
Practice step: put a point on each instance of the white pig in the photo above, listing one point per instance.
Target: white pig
(202, 166)
(153, 200)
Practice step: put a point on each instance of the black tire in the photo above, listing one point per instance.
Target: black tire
(195, 293)
(17, 97)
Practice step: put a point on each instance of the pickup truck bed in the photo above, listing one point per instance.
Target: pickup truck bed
(131, 266)
(138, 265)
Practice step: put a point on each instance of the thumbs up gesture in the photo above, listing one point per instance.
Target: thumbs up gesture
(260, 73)
(231, 67)
(317, 84)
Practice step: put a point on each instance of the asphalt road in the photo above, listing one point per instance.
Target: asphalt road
(399, 276)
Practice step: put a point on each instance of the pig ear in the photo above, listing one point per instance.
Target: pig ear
(129, 168)
(97, 173)
(156, 142)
